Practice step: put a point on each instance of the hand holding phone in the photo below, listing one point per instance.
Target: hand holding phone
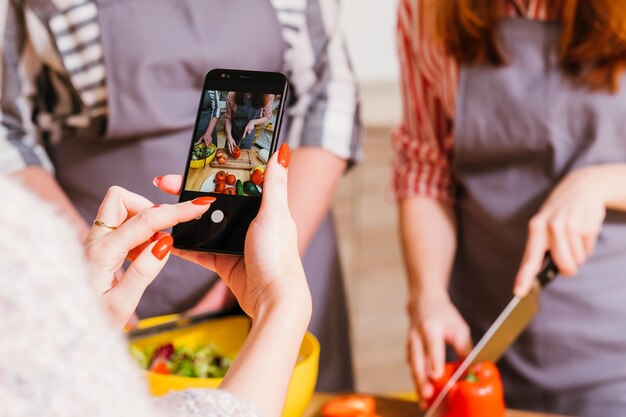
(230, 168)
(272, 263)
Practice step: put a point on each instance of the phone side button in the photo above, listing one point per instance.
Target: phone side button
(217, 216)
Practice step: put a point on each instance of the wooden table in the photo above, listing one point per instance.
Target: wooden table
(197, 176)
(390, 407)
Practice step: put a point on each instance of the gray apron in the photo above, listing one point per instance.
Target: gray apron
(157, 53)
(519, 130)
(244, 113)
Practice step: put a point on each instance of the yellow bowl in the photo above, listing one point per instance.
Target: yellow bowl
(228, 336)
(201, 163)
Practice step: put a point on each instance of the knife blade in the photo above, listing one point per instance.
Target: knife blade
(181, 323)
(501, 335)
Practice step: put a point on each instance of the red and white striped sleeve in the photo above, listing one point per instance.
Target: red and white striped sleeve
(423, 142)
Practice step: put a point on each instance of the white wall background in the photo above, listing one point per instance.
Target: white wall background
(370, 32)
(370, 29)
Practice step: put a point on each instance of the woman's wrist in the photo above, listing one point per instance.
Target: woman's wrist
(293, 309)
(428, 290)
(607, 181)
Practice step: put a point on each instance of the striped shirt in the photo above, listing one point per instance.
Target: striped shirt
(212, 102)
(424, 141)
(53, 77)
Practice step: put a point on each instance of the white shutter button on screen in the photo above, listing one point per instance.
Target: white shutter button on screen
(217, 216)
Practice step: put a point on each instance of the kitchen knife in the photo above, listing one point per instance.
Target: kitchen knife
(503, 332)
(180, 323)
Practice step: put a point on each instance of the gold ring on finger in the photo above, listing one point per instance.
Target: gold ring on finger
(103, 224)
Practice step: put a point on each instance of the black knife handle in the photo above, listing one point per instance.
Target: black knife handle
(548, 272)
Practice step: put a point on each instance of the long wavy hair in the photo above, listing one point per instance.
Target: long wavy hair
(258, 100)
(592, 46)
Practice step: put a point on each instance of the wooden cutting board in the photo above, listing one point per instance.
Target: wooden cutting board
(243, 162)
(393, 407)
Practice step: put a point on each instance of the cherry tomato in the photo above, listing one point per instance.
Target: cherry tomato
(220, 176)
(257, 177)
(236, 153)
(350, 406)
(219, 153)
(231, 179)
(220, 187)
(230, 191)
(222, 159)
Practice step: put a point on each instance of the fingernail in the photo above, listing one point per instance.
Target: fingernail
(156, 181)
(154, 237)
(283, 155)
(156, 205)
(162, 247)
(203, 201)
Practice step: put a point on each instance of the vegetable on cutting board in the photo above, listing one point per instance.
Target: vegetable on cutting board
(239, 187)
(356, 405)
(478, 393)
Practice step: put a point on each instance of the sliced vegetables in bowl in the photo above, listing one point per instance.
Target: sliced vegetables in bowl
(219, 340)
(202, 155)
(202, 361)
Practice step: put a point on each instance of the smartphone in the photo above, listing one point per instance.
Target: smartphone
(236, 131)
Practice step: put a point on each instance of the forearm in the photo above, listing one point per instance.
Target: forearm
(228, 129)
(314, 175)
(211, 127)
(428, 233)
(263, 368)
(609, 178)
(42, 183)
(261, 121)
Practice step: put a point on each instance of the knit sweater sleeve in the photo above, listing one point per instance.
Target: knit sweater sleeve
(59, 353)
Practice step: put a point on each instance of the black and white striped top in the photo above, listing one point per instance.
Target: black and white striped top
(59, 40)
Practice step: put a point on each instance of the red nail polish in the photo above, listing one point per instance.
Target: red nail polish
(283, 155)
(156, 181)
(154, 237)
(203, 201)
(162, 247)
(156, 206)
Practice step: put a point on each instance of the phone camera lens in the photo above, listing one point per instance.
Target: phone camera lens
(223, 75)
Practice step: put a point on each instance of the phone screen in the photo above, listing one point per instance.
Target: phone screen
(235, 134)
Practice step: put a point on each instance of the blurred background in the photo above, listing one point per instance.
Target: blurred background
(364, 213)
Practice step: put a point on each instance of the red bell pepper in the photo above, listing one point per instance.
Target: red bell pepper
(479, 393)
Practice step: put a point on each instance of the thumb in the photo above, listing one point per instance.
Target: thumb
(275, 183)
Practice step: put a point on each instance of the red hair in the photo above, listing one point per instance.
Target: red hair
(592, 47)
